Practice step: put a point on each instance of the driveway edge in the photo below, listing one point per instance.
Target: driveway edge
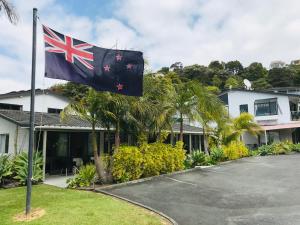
(172, 221)
(144, 179)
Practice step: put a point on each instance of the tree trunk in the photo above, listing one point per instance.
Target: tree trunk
(181, 128)
(98, 165)
(205, 143)
(117, 136)
(172, 137)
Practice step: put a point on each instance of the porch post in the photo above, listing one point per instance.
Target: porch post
(44, 153)
(200, 142)
(266, 137)
(190, 143)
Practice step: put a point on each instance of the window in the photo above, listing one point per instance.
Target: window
(53, 110)
(11, 106)
(243, 108)
(4, 139)
(266, 107)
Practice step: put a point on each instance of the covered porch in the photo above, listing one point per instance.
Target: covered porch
(66, 148)
(274, 133)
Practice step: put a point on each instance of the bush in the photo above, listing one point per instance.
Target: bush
(295, 147)
(253, 153)
(235, 150)
(265, 150)
(152, 159)
(217, 154)
(277, 148)
(172, 157)
(198, 158)
(20, 167)
(131, 163)
(280, 148)
(127, 164)
(84, 178)
(5, 167)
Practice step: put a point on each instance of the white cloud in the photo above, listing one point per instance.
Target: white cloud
(194, 31)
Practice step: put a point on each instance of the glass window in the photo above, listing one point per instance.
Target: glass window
(53, 110)
(4, 139)
(11, 106)
(243, 108)
(266, 107)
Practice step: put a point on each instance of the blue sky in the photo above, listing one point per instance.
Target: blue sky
(167, 31)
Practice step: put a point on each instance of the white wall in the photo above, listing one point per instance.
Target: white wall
(18, 137)
(42, 102)
(237, 98)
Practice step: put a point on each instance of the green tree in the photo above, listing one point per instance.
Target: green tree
(9, 10)
(234, 67)
(210, 109)
(260, 84)
(233, 82)
(154, 110)
(71, 90)
(233, 129)
(88, 108)
(255, 71)
(164, 70)
(281, 77)
(198, 72)
(216, 65)
(185, 103)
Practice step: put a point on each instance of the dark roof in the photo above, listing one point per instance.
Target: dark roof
(54, 120)
(28, 92)
(187, 128)
(263, 92)
(43, 119)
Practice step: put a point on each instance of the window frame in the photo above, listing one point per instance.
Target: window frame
(244, 111)
(55, 110)
(264, 102)
(6, 144)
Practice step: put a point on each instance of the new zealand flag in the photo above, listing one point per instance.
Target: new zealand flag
(118, 71)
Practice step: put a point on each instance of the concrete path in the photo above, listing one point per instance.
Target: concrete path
(251, 191)
(58, 181)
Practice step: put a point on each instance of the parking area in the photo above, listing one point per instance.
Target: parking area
(250, 191)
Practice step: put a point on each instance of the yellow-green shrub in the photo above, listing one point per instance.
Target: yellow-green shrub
(152, 160)
(149, 160)
(235, 150)
(161, 158)
(127, 164)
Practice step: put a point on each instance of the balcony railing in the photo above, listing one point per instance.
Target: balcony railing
(295, 115)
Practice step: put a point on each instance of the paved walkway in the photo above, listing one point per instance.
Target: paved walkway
(58, 181)
(251, 191)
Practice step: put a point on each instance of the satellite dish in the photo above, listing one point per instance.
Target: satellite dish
(247, 84)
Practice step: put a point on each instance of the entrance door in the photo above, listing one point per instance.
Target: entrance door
(58, 156)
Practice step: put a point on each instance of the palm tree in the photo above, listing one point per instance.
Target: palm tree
(116, 111)
(153, 111)
(241, 124)
(9, 10)
(209, 108)
(185, 104)
(88, 108)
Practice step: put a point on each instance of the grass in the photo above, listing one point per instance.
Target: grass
(72, 207)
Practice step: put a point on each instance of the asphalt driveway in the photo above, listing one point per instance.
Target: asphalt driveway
(251, 191)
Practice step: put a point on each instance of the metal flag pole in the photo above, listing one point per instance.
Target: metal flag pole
(31, 133)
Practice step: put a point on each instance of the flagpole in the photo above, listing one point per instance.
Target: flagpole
(31, 133)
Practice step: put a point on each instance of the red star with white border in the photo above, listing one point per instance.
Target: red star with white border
(120, 87)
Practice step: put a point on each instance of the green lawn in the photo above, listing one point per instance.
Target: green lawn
(73, 207)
